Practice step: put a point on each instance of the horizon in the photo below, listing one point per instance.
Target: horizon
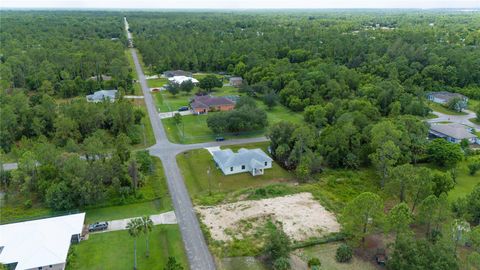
(238, 5)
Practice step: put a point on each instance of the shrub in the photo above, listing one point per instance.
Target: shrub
(314, 263)
(344, 253)
(473, 167)
(27, 204)
(281, 263)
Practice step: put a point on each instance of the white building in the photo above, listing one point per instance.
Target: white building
(181, 79)
(254, 161)
(102, 95)
(39, 244)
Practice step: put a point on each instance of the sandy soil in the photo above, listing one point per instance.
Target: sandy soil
(302, 217)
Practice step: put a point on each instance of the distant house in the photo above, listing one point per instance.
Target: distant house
(235, 81)
(100, 78)
(445, 97)
(254, 161)
(181, 79)
(453, 132)
(102, 95)
(39, 244)
(205, 104)
(173, 73)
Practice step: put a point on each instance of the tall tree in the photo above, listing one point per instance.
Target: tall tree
(134, 227)
(147, 226)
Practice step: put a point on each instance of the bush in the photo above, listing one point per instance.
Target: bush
(344, 254)
(473, 167)
(281, 263)
(314, 263)
(27, 204)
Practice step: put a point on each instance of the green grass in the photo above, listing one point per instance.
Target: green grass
(157, 82)
(473, 103)
(131, 64)
(442, 109)
(326, 254)
(114, 250)
(127, 211)
(280, 113)
(474, 120)
(196, 130)
(200, 76)
(137, 89)
(194, 164)
(465, 182)
(148, 138)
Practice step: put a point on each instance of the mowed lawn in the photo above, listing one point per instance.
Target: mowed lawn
(114, 250)
(326, 254)
(465, 182)
(157, 82)
(441, 109)
(194, 165)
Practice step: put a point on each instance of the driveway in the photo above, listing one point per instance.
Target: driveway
(460, 119)
(164, 115)
(121, 224)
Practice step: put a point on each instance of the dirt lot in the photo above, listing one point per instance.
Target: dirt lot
(302, 217)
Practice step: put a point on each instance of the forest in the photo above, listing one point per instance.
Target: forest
(360, 80)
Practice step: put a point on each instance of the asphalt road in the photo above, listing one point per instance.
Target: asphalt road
(195, 245)
(460, 119)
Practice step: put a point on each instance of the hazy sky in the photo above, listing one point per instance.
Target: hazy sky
(240, 4)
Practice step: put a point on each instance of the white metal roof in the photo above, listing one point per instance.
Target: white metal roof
(181, 79)
(39, 242)
(244, 156)
(453, 130)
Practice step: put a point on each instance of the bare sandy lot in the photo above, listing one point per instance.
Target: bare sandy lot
(302, 217)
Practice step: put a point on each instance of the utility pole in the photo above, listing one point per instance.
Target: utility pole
(209, 181)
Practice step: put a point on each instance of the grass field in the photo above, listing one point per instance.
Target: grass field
(465, 182)
(474, 120)
(148, 138)
(131, 64)
(441, 109)
(194, 164)
(114, 250)
(326, 254)
(157, 82)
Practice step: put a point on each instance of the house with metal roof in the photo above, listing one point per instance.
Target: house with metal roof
(235, 81)
(102, 95)
(444, 98)
(453, 132)
(172, 73)
(254, 161)
(181, 79)
(39, 244)
(205, 104)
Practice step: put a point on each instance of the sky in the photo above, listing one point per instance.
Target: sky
(237, 4)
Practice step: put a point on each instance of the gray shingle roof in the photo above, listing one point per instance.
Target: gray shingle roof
(102, 94)
(453, 130)
(227, 158)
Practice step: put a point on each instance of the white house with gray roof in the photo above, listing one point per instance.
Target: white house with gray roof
(453, 132)
(254, 161)
(102, 95)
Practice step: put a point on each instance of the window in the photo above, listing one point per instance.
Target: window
(231, 169)
(266, 163)
(243, 167)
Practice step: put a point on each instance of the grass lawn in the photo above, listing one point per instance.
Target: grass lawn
(473, 103)
(137, 89)
(465, 182)
(114, 250)
(194, 164)
(157, 82)
(280, 113)
(326, 254)
(474, 120)
(148, 138)
(441, 109)
(196, 130)
(131, 64)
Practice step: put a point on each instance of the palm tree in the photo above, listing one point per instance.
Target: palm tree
(134, 229)
(147, 226)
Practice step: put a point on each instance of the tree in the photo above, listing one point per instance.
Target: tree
(474, 238)
(145, 161)
(134, 174)
(147, 226)
(431, 213)
(277, 244)
(444, 153)
(209, 82)
(399, 219)
(172, 264)
(173, 88)
(270, 99)
(384, 158)
(134, 229)
(177, 118)
(187, 86)
(456, 104)
(477, 111)
(316, 115)
(362, 215)
(122, 148)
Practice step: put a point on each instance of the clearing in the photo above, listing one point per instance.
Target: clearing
(302, 216)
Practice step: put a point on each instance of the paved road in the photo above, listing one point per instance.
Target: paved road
(121, 224)
(461, 119)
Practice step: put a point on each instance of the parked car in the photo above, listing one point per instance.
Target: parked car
(183, 109)
(219, 139)
(98, 226)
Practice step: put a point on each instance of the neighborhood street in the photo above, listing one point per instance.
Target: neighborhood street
(460, 119)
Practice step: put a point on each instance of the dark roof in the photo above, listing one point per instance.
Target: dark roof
(172, 73)
(446, 95)
(210, 101)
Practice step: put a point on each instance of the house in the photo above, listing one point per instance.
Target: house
(235, 81)
(445, 97)
(173, 73)
(254, 161)
(453, 132)
(100, 78)
(39, 244)
(181, 79)
(102, 95)
(205, 104)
